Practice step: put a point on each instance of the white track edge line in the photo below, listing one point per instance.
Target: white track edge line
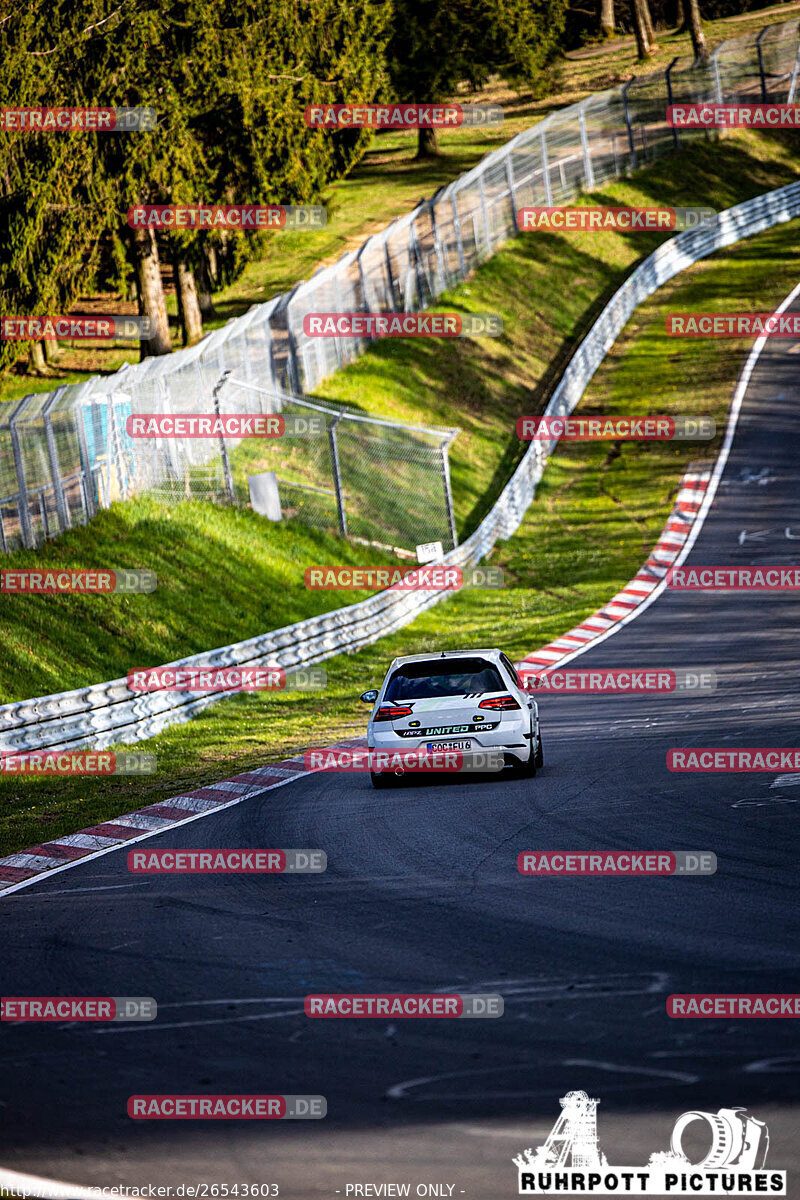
(711, 490)
(77, 862)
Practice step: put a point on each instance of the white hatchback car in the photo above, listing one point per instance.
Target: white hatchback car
(469, 700)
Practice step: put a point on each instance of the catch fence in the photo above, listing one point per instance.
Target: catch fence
(64, 455)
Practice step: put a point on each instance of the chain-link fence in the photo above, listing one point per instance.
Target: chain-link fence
(63, 455)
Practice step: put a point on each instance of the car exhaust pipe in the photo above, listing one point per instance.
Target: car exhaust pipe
(399, 771)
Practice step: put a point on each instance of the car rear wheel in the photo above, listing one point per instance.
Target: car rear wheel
(539, 752)
(379, 780)
(528, 769)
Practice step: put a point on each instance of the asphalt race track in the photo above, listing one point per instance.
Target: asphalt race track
(422, 893)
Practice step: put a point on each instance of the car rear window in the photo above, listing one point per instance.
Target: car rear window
(444, 677)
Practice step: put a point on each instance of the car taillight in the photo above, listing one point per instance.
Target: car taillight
(499, 703)
(389, 712)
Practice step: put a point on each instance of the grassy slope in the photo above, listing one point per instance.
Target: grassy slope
(596, 515)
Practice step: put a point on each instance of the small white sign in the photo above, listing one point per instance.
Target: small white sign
(430, 552)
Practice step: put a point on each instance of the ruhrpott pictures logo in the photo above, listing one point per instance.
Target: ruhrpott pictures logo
(571, 1163)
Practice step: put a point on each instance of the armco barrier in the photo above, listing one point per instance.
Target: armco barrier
(108, 713)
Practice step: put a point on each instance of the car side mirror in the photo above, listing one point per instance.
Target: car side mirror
(369, 697)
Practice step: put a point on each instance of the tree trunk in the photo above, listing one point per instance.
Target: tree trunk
(696, 31)
(150, 292)
(204, 284)
(607, 18)
(427, 145)
(642, 41)
(36, 360)
(680, 17)
(51, 350)
(648, 24)
(188, 305)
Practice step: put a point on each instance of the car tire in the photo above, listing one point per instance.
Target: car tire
(528, 769)
(380, 780)
(539, 752)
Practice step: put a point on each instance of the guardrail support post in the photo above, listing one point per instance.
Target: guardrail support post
(448, 491)
(337, 474)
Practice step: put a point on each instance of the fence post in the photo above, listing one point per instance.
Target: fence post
(548, 190)
(337, 474)
(717, 76)
(460, 245)
(793, 84)
(387, 258)
(485, 212)
(668, 77)
(587, 158)
(86, 466)
(26, 530)
(55, 474)
(122, 475)
(448, 491)
(760, 54)
(512, 194)
(437, 245)
(226, 466)
(418, 272)
(629, 122)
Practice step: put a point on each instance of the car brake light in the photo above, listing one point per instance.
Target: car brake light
(391, 712)
(499, 703)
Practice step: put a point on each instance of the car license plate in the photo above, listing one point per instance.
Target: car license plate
(464, 744)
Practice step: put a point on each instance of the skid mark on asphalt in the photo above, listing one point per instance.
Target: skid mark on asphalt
(589, 987)
(621, 1068)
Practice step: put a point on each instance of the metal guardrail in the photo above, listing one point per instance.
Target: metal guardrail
(108, 713)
